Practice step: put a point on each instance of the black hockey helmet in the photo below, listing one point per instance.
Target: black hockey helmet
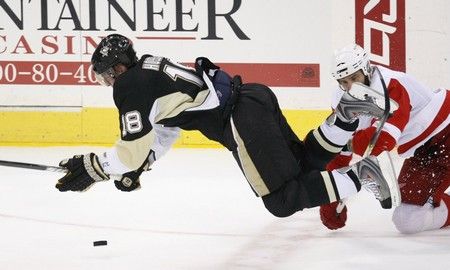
(112, 50)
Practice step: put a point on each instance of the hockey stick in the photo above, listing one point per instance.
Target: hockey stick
(387, 109)
(39, 167)
(380, 124)
(32, 166)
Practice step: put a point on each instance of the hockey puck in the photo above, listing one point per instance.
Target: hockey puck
(100, 243)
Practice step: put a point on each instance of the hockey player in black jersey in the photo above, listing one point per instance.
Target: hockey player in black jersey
(157, 97)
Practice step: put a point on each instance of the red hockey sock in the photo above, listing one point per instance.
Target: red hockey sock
(446, 198)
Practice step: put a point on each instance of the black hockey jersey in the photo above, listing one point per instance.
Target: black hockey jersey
(156, 99)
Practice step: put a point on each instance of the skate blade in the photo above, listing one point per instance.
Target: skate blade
(390, 174)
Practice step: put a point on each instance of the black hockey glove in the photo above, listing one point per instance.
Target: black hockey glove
(83, 172)
(129, 181)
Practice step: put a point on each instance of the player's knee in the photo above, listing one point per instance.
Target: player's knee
(409, 218)
(285, 201)
(276, 208)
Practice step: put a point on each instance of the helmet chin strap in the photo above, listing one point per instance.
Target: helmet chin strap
(367, 80)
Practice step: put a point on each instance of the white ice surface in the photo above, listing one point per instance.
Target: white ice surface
(195, 211)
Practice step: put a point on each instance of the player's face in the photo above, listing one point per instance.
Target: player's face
(108, 77)
(346, 82)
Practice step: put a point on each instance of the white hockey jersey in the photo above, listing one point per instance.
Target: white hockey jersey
(422, 112)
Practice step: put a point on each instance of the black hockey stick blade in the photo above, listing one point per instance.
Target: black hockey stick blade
(32, 166)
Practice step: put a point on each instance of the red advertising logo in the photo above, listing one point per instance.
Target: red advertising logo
(380, 29)
(80, 73)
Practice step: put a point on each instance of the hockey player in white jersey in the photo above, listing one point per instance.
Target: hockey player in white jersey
(418, 129)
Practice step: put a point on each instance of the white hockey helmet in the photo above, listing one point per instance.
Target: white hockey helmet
(349, 60)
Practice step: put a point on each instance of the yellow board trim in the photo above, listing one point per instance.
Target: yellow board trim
(100, 126)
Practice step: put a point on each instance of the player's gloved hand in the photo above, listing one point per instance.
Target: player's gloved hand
(130, 180)
(362, 138)
(330, 218)
(83, 172)
(339, 161)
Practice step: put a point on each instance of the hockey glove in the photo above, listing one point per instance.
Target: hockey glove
(330, 218)
(83, 172)
(339, 161)
(130, 180)
(362, 138)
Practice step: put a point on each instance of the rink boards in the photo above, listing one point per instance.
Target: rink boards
(48, 94)
(99, 126)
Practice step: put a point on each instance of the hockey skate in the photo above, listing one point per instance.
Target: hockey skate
(363, 100)
(382, 186)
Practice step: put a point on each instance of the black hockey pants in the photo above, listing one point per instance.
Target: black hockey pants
(271, 155)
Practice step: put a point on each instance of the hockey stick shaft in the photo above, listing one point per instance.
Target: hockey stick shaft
(32, 166)
(374, 139)
(382, 121)
(39, 167)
